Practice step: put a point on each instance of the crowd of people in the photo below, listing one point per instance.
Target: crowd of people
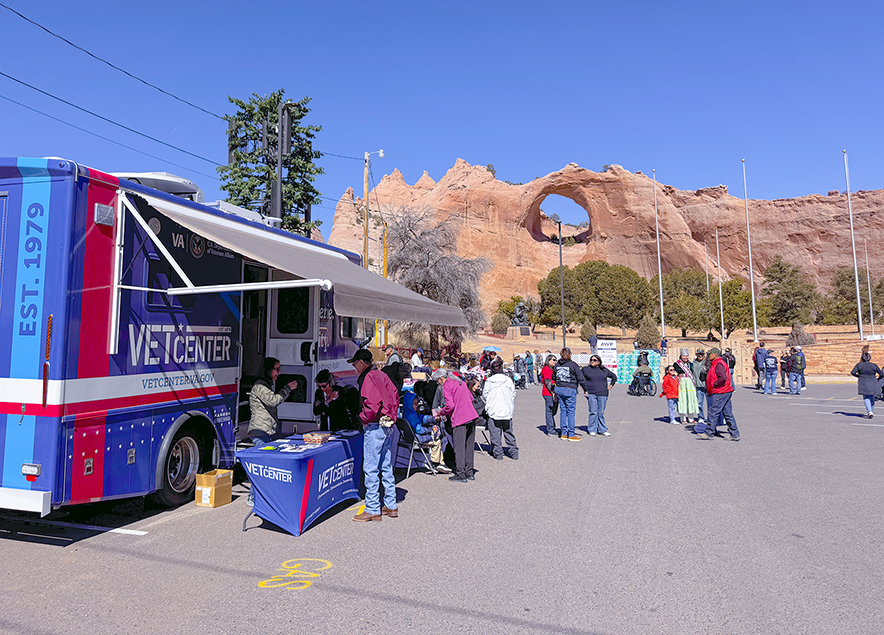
(790, 366)
(480, 391)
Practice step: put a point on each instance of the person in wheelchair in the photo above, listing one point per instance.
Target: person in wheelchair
(641, 378)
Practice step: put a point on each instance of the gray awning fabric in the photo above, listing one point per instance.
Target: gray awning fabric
(357, 291)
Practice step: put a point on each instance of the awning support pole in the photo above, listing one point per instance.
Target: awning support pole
(113, 341)
(156, 241)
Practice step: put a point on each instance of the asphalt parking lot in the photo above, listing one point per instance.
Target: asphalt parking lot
(647, 531)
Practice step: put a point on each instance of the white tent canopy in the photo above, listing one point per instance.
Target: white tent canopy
(358, 292)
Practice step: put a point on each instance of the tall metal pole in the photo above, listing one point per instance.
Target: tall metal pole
(706, 251)
(751, 270)
(859, 308)
(385, 275)
(869, 281)
(659, 265)
(720, 294)
(365, 218)
(562, 284)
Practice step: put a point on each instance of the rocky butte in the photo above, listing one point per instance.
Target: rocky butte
(505, 223)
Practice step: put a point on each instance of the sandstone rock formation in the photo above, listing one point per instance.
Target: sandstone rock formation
(504, 222)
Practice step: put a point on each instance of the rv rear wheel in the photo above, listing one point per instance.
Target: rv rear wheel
(180, 467)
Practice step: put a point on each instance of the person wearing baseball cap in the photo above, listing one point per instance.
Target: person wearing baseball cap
(698, 370)
(719, 389)
(392, 355)
(380, 405)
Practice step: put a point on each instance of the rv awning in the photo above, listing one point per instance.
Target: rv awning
(357, 291)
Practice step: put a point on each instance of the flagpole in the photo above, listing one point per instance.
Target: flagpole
(869, 281)
(859, 307)
(659, 266)
(720, 293)
(749, 240)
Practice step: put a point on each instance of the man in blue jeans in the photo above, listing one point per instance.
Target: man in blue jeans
(719, 389)
(698, 370)
(796, 369)
(380, 405)
(567, 374)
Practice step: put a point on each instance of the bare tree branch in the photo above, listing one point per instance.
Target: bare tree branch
(423, 258)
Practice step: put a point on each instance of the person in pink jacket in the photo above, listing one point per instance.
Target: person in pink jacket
(457, 405)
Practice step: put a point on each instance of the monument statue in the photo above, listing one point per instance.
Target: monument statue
(520, 315)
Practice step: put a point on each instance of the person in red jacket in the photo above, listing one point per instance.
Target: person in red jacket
(719, 390)
(670, 391)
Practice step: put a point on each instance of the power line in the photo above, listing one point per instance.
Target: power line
(135, 77)
(375, 188)
(101, 59)
(340, 156)
(111, 121)
(122, 145)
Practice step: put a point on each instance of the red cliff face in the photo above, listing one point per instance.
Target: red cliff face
(505, 223)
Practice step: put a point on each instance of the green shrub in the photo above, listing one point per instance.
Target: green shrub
(648, 334)
(587, 331)
(499, 324)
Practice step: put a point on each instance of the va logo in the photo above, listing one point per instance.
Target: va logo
(197, 246)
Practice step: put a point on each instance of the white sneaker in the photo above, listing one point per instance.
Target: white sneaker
(592, 434)
(606, 434)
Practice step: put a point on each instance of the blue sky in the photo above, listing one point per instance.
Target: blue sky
(688, 88)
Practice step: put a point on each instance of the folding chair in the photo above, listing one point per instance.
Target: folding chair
(408, 440)
(482, 426)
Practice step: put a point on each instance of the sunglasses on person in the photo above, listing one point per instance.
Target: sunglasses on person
(321, 385)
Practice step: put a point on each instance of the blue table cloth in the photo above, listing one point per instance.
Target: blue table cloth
(294, 483)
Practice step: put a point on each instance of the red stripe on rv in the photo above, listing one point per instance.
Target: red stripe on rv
(87, 459)
(93, 359)
(107, 405)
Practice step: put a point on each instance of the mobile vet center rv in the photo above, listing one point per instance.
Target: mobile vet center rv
(133, 321)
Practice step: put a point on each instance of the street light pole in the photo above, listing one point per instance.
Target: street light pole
(283, 141)
(720, 294)
(659, 265)
(562, 284)
(869, 281)
(380, 154)
(859, 308)
(749, 240)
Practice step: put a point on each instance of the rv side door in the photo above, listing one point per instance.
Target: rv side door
(292, 330)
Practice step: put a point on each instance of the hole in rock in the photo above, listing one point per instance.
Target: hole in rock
(575, 220)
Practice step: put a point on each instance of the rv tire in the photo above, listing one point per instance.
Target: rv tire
(183, 460)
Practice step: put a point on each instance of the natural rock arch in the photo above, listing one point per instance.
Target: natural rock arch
(534, 217)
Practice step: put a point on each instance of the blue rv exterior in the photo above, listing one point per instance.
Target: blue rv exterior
(128, 341)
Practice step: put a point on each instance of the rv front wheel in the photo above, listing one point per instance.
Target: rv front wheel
(180, 467)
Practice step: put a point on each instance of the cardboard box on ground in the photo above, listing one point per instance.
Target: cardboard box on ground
(214, 488)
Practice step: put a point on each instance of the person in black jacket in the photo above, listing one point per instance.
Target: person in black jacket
(595, 389)
(337, 406)
(868, 376)
(568, 376)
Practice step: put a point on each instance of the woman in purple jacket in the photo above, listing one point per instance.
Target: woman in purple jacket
(458, 406)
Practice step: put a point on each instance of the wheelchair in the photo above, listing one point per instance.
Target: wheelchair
(642, 386)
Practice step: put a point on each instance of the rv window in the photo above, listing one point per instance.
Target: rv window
(299, 394)
(293, 311)
(357, 328)
(159, 274)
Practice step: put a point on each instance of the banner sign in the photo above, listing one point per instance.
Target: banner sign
(607, 350)
(294, 483)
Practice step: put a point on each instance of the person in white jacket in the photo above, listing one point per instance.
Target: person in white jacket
(500, 401)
